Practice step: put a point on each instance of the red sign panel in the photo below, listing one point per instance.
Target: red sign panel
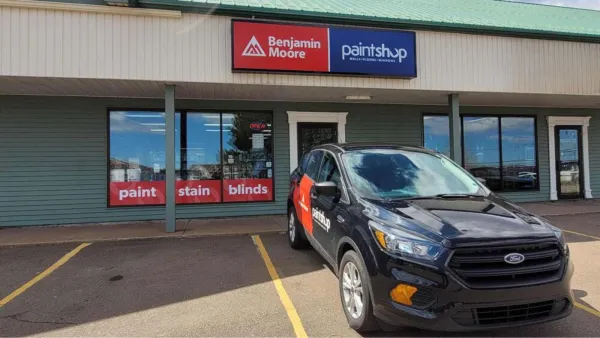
(137, 193)
(248, 190)
(191, 192)
(264, 46)
(200, 191)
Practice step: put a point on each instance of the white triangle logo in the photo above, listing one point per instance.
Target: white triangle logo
(253, 48)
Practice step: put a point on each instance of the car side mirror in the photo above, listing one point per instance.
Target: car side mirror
(481, 180)
(326, 189)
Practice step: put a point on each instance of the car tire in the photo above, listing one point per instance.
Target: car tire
(360, 318)
(295, 231)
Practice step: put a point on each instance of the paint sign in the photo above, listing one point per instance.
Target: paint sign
(191, 192)
(262, 46)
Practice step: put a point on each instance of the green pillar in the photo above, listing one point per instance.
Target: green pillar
(455, 138)
(170, 156)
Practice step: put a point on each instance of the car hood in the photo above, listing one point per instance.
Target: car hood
(474, 219)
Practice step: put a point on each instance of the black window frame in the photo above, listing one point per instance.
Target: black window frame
(183, 141)
(501, 162)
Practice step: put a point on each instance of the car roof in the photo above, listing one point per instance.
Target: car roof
(358, 146)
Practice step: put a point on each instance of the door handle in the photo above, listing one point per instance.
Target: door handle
(313, 195)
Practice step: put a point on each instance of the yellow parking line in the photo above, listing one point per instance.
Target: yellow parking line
(587, 309)
(42, 275)
(580, 234)
(285, 299)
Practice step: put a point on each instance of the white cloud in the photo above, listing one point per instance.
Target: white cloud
(588, 4)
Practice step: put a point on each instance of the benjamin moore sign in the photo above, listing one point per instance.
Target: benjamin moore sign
(316, 49)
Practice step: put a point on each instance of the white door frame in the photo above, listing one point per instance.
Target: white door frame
(584, 122)
(295, 117)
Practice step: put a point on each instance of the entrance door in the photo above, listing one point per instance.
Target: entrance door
(569, 173)
(314, 134)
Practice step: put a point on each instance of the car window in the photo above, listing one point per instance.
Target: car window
(391, 173)
(314, 162)
(304, 162)
(330, 171)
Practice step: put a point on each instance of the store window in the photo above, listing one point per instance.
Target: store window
(247, 154)
(501, 150)
(220, 157)
(436, 133)
(507, 163)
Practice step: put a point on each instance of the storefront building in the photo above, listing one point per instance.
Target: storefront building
(185, 109)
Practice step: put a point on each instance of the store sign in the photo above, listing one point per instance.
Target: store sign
(248, 190)
(191, 192)
(258, 126)
(137, 193)
(294, 48)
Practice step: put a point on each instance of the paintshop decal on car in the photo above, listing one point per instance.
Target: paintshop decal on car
(321, 219)
(303, 204)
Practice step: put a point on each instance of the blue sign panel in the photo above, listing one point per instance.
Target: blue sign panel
(372, 52)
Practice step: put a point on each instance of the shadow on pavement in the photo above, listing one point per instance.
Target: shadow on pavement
(110, 280)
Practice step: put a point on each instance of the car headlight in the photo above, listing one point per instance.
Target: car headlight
(560, 236)
(405, 244)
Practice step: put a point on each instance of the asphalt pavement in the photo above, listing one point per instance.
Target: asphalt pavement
(218, 286)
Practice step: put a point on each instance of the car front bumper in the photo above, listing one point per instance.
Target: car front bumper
(454, 307)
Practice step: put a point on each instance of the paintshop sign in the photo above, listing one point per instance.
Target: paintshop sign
(262, 46)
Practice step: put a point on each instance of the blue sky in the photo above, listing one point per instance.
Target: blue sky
(589, 4)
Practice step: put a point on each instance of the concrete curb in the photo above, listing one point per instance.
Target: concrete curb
(142, 238)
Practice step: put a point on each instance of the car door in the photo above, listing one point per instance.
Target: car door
(301, 194)
(329, 213)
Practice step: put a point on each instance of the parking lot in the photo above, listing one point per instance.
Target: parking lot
(221, 286)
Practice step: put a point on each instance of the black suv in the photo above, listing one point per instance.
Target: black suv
(417, 241)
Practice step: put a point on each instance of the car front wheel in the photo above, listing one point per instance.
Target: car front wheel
(354, 290)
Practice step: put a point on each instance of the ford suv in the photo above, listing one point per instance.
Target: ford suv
(417, 241)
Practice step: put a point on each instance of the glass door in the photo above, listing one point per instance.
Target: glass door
(569, 173)
(314, 134)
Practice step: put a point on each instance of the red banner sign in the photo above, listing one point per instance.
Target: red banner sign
(248, 190)
(191, 192)
(280, 47)
(137, 193)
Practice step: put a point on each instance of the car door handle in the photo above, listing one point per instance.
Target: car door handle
(313, 196)
(340, 219)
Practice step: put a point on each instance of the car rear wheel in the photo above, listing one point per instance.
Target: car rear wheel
(295, 231)
(355, 293)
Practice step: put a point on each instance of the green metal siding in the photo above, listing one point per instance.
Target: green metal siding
(53, 165)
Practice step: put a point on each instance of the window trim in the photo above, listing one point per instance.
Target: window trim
(499, 117)
(184, 113)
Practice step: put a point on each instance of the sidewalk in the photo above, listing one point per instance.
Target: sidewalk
(140, 230)
(560, 208)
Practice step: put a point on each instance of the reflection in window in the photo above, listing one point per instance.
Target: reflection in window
(519, 167)
(507, 163)
(201, 154)
(436, 133)
(247, 145)
(137, 146)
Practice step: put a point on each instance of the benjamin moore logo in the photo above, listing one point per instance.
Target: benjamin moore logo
(254, 48)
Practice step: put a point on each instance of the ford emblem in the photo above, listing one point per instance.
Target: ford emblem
(514, 258)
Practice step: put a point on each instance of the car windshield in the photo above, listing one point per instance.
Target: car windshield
(399, 174)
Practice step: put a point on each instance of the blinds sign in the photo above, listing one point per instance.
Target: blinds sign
(260, 46)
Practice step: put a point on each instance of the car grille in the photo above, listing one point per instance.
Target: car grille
(483, 268)
(499, 315)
